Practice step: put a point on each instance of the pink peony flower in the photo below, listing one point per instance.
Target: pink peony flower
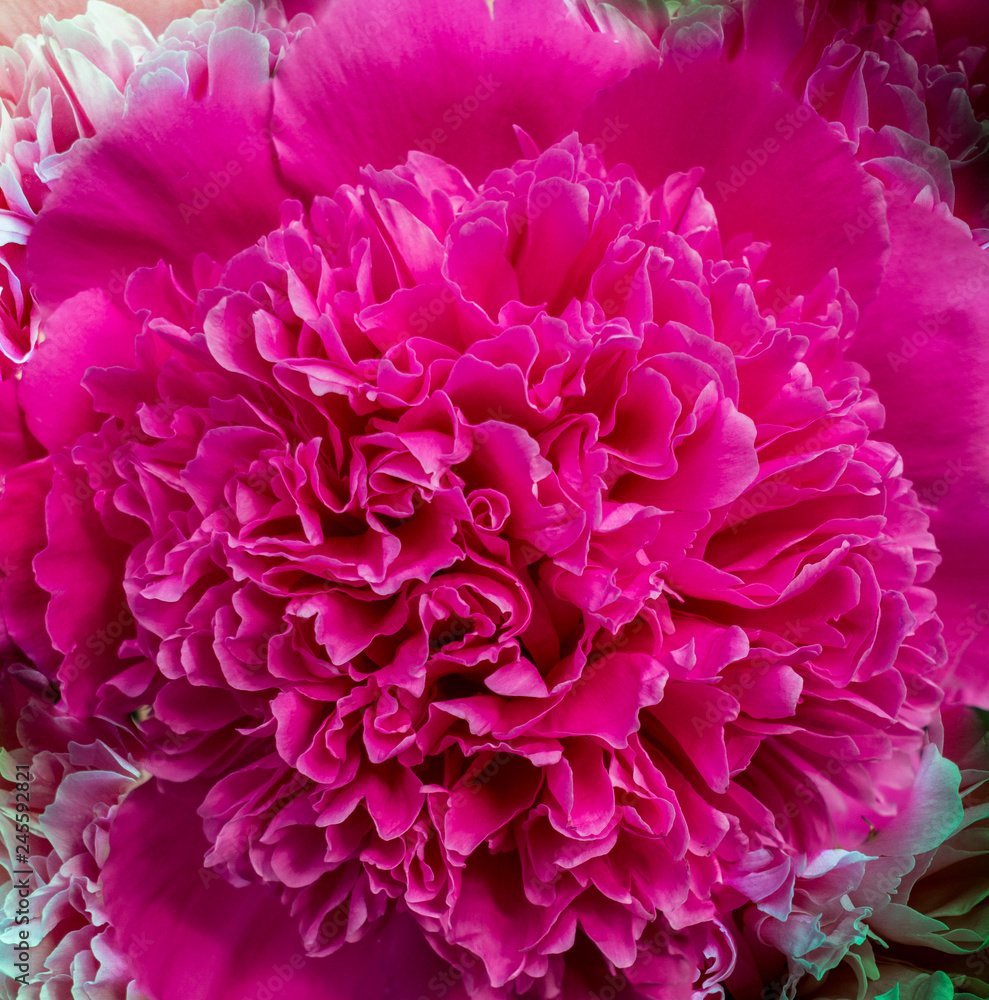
(69, 946)
(20, 17)
(934, 923)
(470, 460)
(55, 87)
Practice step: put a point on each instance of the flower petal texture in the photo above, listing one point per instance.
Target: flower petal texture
(493, 501)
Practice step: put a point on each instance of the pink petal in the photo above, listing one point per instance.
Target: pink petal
(196, 935)
(925, 341)
(376, 79)
(772, 167)
(22, 535)
(88, 331)
(174, 178)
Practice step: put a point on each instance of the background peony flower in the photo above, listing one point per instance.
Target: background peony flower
(61, 80)
(933, 933)
(74, 796)
(904, 982)
(21, 17)
(459, 468)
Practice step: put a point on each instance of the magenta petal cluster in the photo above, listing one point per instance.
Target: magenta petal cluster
(528, 553)
(485, 529)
